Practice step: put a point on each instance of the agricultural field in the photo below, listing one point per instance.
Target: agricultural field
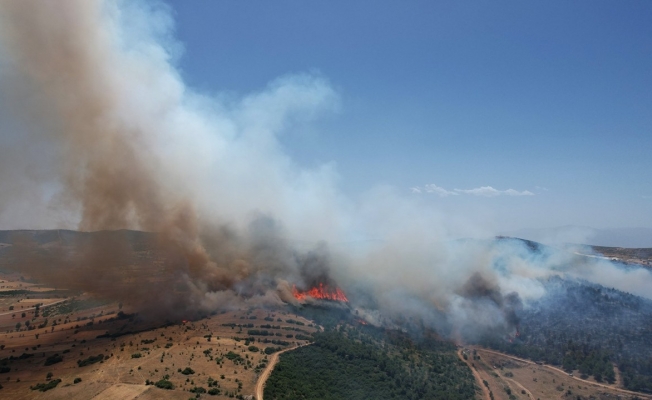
(77, 347)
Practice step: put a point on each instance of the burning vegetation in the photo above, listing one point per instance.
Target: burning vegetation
(322, 292)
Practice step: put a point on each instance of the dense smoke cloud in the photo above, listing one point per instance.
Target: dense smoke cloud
(101, 133)
(127, 145)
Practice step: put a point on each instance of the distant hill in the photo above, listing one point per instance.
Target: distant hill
(617, 237)
(67, 237)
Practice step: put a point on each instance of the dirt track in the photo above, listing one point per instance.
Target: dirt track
(32, 308)
(641, 395)
(485, 390)
(517, 383)
(260, 385)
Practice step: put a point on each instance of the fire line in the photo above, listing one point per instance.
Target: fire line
(321, 292)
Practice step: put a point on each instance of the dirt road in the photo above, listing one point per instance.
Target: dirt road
(260, 385)
(641, 395)
(526, 390)
(485, 390)
(32, 308)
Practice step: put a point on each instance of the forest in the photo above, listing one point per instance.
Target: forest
(361, 362)
(586, 327)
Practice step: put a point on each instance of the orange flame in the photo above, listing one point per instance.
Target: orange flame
(322, 292)
(516, 336)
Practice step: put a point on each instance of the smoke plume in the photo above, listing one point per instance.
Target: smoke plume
(100, 133)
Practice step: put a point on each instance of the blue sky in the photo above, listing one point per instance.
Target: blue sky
(553, 98)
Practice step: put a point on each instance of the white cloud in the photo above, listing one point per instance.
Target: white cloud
(512, 192)
(432, 188)
(484, 191)
(488, 191)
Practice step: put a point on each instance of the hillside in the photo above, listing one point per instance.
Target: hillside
(616, 237)
(361, 362)
(601, 335)
(75, 347)
(642, 256)
(587, 328)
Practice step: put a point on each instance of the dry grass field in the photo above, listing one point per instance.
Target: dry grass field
(112, 354)
(522, 379)
(632, 256)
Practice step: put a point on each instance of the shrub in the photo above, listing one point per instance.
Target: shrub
(77, 380)
(233, 356)
(53, 359)
(188, 371)
(44, 387)
(164, 384)
(90, 360)
(253, 349)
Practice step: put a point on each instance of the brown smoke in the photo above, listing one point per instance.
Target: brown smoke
(65, 56)
(106, 264)
(69, 59)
